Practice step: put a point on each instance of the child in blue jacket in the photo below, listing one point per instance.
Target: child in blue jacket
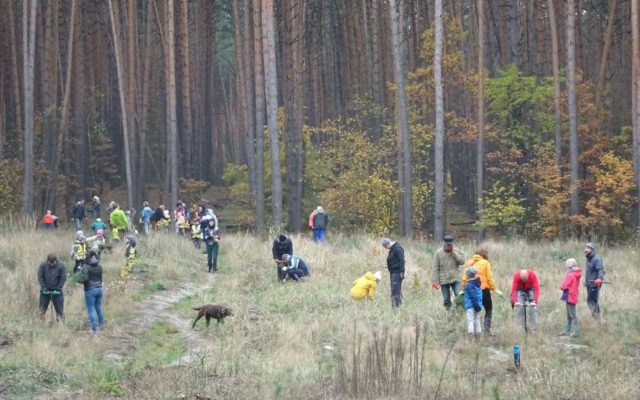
(473, 302)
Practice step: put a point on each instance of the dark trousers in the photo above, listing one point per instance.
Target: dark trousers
(446, 290)
(396, 288)
(593, 292)
(212, 256)
(58, 304)
(487, 304)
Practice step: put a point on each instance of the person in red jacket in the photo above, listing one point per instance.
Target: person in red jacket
(569, 288)
(525, 291)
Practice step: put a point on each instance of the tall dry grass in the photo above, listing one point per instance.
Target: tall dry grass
(310, 340)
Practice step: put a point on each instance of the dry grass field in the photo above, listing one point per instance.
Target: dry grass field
(308, 340)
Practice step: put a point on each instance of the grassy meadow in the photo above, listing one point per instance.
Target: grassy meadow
(309, 340)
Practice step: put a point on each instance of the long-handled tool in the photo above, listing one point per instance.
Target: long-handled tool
(51, 307)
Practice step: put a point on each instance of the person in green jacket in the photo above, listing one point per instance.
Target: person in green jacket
(118, 222)
(445, 273)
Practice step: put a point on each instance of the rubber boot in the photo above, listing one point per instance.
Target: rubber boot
(566, 329)
(575, 329)
(487, 324)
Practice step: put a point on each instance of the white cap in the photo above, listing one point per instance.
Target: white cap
(378, 275)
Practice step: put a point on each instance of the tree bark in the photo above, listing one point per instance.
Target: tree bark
(29, 44)
(260, 93)
(605, 52)
(13, 39)
(635, 94)
(249, 87)
(171, 99)
(115, 29)
(438, 223)
(271, 90)
(185, 81)
(574, 206)
(402, 124)
(514, 31)
(556, 80)
(480, 145)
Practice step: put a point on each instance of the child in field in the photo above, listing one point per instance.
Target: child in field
(47, 220)
(196, 235)
(473, 302)
(97, 225)
(130, 256)
(365, 286)
(570, 290)
(79, 251)
(97, 243)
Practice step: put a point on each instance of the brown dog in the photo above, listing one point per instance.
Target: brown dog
(212, 311)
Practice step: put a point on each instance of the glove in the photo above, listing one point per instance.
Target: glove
(435, 285)
(477, 308)
(532, 304)
(45, 292)
(597, 282)
(499, 293)
(56, 293)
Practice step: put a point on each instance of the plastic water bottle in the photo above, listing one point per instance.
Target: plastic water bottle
(516, 356)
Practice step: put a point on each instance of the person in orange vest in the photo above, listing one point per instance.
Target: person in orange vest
(48, 220)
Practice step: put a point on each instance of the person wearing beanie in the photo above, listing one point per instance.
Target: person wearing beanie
(480, 261)
(318, 221)
(525, 291)
(130, 254)
(473, 302)
(97, 243)
(79, 251)
(52, 276)
(281, 245)
(570, 288)
(395, 265)
(594, 275)
(445, 272)
(365, 286)
(97, 225)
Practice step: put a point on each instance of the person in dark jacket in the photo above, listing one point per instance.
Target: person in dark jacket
(52, 276)
(211, 236)
(395, 264)
(158, 217)
(281, 245)
(78, 214)
(318, 221)
(95, 207)
(593, 279)
(93, 290)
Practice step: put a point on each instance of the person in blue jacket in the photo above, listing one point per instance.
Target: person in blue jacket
(145, 217)
(473, 302)
(295, 267)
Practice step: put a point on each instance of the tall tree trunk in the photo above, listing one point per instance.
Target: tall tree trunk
(260, 93)
(29, 44)
(241, 100)
(249, 87)
(402, 124)
(605, 51)
(271, 89)
(514, 31)
(556, 80)
(115, 29)
(480, 144)
(149, 51)
(438, 223)
(574, 207)
(635, 94)
(132, 78)
(171, 99)
(13, 39)
(183, 46)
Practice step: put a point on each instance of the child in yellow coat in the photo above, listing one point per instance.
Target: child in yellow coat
(365, 286)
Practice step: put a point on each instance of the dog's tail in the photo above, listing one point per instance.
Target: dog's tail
(197, 308)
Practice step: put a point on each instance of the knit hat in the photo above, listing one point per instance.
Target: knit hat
(471, 272)
(100, 232)
(132, 240)
(571, 263)
(448, 239)
(591, 246)
(282, 238)
(378, 275)
(385, 242)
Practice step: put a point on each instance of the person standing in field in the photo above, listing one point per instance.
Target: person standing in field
(365, 286)
(211, 238)
(395, 265)
(93, 290)
(525, 291)
(445, 272)
(79, 251)
(570, 289)
(318, 221)
(52, 276)
(118, 222)
(98, 225)
(145, 217)
(480, 261)
(78, 213)
(95, 207)
(593, 279)
(473, 302)
(47, 220)
(281, 245)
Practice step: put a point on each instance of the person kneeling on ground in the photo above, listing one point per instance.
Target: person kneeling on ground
(473, 302)
(365, 286)
(52, 276)
(295, 267)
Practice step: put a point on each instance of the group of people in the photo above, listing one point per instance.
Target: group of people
(288, 265)
(470, 283)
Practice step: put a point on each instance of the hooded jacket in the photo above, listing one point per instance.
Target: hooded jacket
(395, 259)
(483, 266)
(594, 269)
(52, 277)
(118, 219)
(281, 248)
(571, 283)
(473, 294)
(365, 286)
(93, 277)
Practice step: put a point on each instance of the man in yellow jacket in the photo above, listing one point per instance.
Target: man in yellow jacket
(480, 261)
(365, 286)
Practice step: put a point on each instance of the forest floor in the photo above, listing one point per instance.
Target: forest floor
(307, 340)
